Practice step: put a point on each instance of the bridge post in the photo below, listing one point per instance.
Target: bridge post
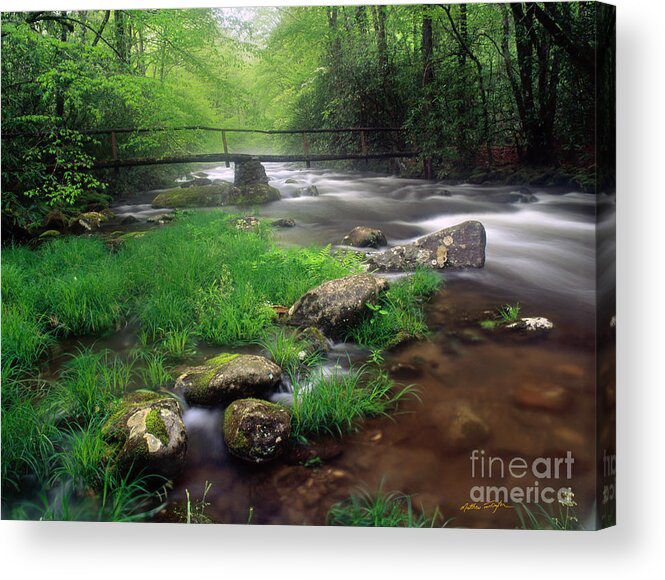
(226, 148)
(114, 151)
(305, 143)
(363, 145)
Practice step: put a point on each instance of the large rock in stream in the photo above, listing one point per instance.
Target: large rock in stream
(337, 306)
(255, 430)
(364, 237)
(147, 434)
(459, 246)
(250, 187)
(194, 196)
(228, 377)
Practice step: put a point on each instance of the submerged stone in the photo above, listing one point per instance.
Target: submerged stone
(337, 306)
(544, 397)
(228, 377)
(284, 223)
(147, 434)
(465, 430)
(459, 246)
(255, 430)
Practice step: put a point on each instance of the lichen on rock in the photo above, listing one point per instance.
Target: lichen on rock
(146, 434)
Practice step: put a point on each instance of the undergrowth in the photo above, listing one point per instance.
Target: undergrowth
(398, 316)
(335, 403)
(381, 509)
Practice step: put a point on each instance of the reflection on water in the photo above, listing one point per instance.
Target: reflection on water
(540, 253)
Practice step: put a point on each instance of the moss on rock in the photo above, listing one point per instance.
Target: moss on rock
(146, 434)
(253, 194)
(195, 196)
(227, 377)
(255, 430)
(155, 425)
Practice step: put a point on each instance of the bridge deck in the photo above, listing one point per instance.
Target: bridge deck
(238, 157)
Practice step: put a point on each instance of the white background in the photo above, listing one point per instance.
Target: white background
(66, 550)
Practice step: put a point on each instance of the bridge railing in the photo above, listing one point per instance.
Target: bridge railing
(227, 156)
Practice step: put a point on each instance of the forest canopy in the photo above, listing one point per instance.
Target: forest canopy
(472, 85)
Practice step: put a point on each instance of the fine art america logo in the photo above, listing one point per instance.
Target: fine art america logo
(533, 472)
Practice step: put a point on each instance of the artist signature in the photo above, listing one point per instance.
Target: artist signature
(488, 505)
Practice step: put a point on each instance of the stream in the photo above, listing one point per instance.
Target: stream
(540, 254)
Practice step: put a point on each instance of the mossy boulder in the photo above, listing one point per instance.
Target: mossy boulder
(364, 237)
(337, 306)
(256, 430)
(253, 194)
(215, 194)
(196, 181)
(228, 377)
(146, 434)
(89, 221)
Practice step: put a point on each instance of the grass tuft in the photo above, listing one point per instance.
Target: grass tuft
(381, 510)
(335, 403)
(398, 316)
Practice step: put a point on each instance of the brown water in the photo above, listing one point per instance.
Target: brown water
(540, 254)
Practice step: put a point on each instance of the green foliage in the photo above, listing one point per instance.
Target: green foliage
(75, 286)
(83, 456)
(562, 517)
(509, 313)
(293, 355)
(91, 383)
(152, 369)
(28, 432)
(381, 509)
(335, 403)
(398, 316)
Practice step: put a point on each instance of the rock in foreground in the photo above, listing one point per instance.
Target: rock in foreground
(364, 237)
(255, 430)
(147, 434)
(228, 377)
(459, 246)
(337, 306)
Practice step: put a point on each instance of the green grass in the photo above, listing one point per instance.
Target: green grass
(336, 403)
(398, 316)
(561, 517)
(509, 313)
(83, 457)
(381, 510)
(28, 432)
(153, 369)
(294, 355)
(198, 279)
(90, 383)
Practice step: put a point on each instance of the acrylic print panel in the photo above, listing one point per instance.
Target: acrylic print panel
(346, 265)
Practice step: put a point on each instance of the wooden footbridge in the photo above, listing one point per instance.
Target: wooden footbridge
(116, 161)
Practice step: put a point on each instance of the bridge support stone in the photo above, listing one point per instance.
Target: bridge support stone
(249, 172)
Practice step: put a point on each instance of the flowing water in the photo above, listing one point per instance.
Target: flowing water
(540, 253)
